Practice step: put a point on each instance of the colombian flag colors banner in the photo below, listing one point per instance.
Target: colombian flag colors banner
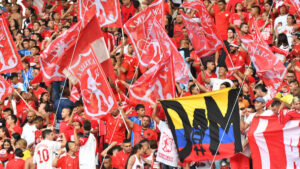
(199, 122)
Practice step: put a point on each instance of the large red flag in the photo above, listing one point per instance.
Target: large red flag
(51, 71)
(140, 31)
(5, 88)
(96, 92)
(284, 153)
(156, 83)
(203, 42)
(10, 60)
(107, 12)
(296, 4)
(268, 67)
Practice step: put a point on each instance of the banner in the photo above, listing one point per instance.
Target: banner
(274, 145)
(199, 122)
(140, 31)
(5, 88)
(10, 60)
(108, 12)
(204, 43)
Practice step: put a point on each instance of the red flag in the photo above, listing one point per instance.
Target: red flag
(10, 60)
(51, 71)
(107, 12)
(96, 92)
(5, 88)
(268, 67)
(156, 83)
(38, 78)
(269, 154)
(203, 42)
(296, 4)
(140, 31)
(75, 95)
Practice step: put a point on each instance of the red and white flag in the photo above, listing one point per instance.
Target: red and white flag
(85, 67)
(10, 60)
(96, 92)
(140, 31)
(268, 67)
(296, 4)
(107, 12)
(5, 88)
(48, 59)
(203, 42)
(156, 83)
(75, 95)
(274, 145)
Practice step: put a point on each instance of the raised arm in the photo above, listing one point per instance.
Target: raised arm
(154, 113)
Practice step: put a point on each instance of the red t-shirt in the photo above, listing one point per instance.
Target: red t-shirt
(15, 163)
(207, 76)
(64, 127)
(114, 123)
(68, 162)
(4, 155)
(231, 5)
(38, 136)
(222, 23)
(239, 61)
(129, 63)
(17, 129)
(39, 92)
(127, 12)
(178, 34)
(122, 158)
(236, 19)
(141, 134)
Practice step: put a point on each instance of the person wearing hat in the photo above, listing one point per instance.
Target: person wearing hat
(236, 60)
(259, 105)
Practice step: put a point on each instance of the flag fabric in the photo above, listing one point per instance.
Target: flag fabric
(85, 68)
(107, 12)
(296, 4)
(139, 29)
(75, 95)
(274, 145)
(48, 59)
(203, 42)
(5, 88)
(199, 122)
(268, 67)
(157, 83)
(10, 60)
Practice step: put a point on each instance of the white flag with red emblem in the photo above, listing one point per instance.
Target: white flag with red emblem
(140, 31)
(5, 88)
(10, 60)
(107, 12)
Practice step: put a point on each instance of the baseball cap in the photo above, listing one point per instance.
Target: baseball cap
(260, 99)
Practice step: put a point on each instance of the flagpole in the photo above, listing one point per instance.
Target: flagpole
(122, 110)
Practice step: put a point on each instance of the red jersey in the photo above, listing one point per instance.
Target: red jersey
(114, 123)
(68, 162)
(39, 92)
(5, 156)
(17, 129)
(237, 19)
(239, 61)
(16, 163)
(64, 127)
(122, 158)
(129, 63)
(141, 134)
(207, 76)
(178, 34)
(38, 136)
(127, 12)
(222, 23)
(231, 5)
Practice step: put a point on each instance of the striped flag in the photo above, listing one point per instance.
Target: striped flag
(274, 145)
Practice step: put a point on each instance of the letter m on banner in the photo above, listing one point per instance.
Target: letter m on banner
(199, 125)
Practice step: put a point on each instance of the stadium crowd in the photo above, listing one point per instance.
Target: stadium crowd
(53, 130)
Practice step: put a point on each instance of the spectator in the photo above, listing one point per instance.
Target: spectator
(69, 159)
(17, 162)
(12, 125)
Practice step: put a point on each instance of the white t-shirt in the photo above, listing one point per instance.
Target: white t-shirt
(87, 154)
(216, 83)
(29, 133)
(282, 19)
(44, 154)
(167, 151)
